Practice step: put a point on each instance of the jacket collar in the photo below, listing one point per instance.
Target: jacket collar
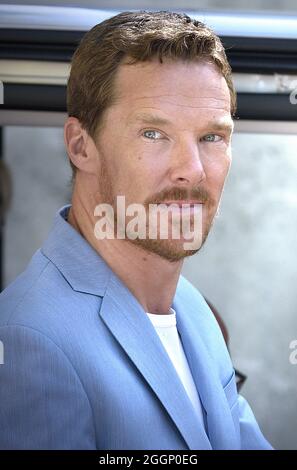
(190, 316)
(75, 258)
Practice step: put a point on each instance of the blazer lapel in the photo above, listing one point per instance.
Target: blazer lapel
(220, 426)
(128, 322)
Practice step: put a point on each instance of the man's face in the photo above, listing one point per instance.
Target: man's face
(167, 138)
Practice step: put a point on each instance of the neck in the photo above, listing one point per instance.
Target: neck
(150, 278)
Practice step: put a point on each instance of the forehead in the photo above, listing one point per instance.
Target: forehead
(174, 86)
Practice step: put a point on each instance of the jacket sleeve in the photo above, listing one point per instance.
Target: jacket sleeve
(43, 404)
(250, 433)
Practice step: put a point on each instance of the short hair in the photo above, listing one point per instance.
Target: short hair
(136, 37)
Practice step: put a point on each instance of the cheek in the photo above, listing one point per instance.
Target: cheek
(227, 165)
(133, 180)
(216, 176)
(217, 170)
(146, 166)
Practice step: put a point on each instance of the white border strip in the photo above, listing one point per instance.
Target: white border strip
(56, 73)
(82, 19)
(34, 71)
(265, 127)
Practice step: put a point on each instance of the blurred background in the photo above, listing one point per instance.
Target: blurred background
(278, 6)
(248, 266)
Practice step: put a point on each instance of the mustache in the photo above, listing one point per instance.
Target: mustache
(181, 194)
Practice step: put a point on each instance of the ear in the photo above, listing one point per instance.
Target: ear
(80, 146)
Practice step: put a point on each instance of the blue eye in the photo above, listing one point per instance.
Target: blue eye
(152, 135)
(212, 138)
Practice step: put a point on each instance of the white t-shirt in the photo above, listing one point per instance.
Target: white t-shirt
(165, 325)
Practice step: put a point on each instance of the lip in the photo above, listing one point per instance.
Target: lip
(180, 203)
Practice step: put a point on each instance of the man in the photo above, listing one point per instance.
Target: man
(106, 345)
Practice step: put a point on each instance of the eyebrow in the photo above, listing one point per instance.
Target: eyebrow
(148, 118)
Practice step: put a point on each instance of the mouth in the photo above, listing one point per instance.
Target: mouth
(180, 203)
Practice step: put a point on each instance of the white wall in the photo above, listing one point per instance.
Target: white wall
(248, 269)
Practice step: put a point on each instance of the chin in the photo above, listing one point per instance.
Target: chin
(171, 250)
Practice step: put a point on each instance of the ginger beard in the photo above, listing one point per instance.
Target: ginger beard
(169, 248)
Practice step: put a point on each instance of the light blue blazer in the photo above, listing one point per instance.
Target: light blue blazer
(85, 369)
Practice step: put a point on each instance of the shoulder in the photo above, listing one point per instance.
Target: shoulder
(40, 298)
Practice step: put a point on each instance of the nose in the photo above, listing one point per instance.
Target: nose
(187, 165)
